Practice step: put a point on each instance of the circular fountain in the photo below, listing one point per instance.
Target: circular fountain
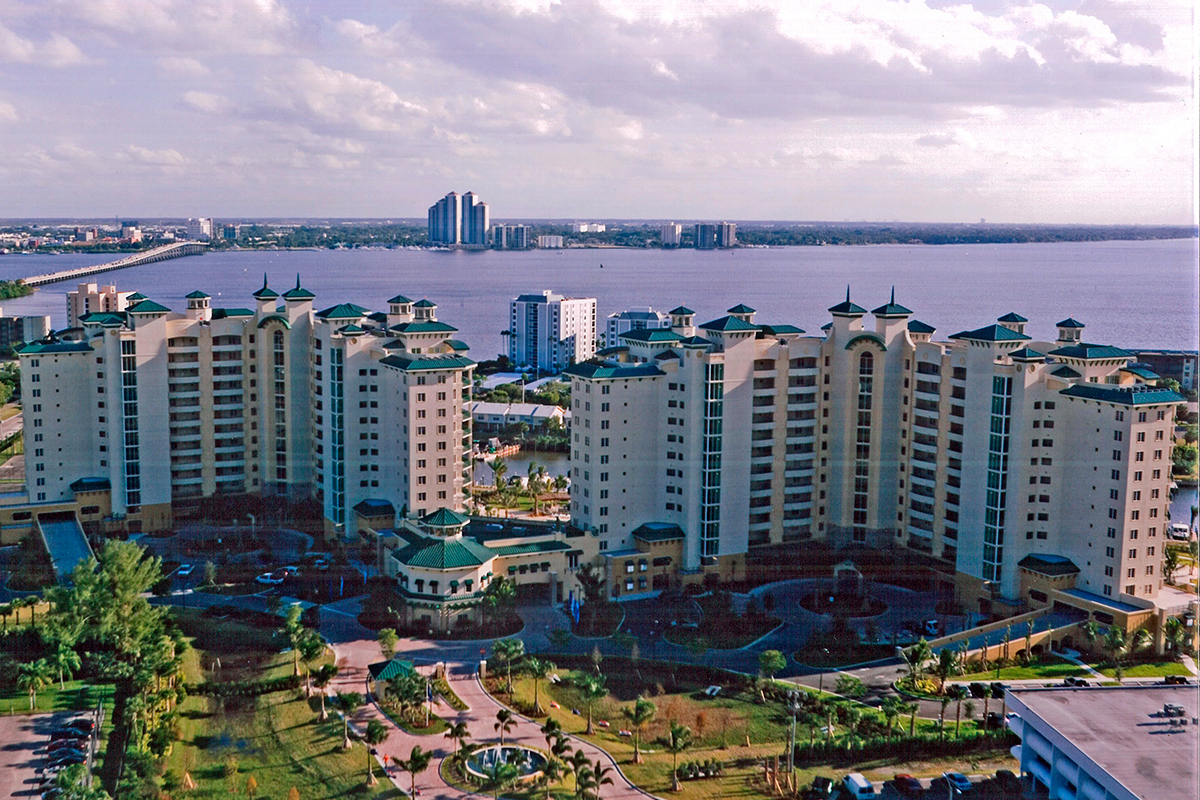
(529, 762)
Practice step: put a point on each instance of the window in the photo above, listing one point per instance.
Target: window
(1133, 552)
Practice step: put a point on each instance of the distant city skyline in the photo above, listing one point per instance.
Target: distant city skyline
(934, 111)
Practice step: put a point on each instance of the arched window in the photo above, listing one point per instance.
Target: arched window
(866, 363)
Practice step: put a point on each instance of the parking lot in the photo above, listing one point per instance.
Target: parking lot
(23, 752)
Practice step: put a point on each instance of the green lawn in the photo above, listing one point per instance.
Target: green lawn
(1050, 670)
(277, 737)
(1155, 669)
(75, 696)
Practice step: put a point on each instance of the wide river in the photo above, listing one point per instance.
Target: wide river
(1132, 294)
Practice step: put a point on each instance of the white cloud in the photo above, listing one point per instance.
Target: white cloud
(167, 157)
(7, 111)
(56, 51)
(207, 102)
(329, 95)
(188, 67)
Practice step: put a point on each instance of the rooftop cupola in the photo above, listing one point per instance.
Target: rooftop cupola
(743, 312)
(266, 297)
(1070, 331)
(425, 311)
(400, 309)
(199, 306)
(683, 319)
(1013, 321)
(298, 301)
(891, 319)
(847, 318)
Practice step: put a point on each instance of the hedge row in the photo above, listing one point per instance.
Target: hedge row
(248, 688)
(841, 753)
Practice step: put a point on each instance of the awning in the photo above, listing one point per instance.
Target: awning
(453, 584)
(512, 570)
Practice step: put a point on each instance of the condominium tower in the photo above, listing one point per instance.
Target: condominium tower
(987, 454)
(548, 331)
(459, 219)
(344, 405)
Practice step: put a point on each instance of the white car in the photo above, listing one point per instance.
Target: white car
(270, 578)
(185, 570)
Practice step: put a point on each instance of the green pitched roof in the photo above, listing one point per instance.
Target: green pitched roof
(399, 300)
(741, 308)
(197, 295)
(298, 293)
(454, 553)
(148, 307)
(374, 508)
(457, 345)
(444, 518)
(1048, 564)
(343, 311)
(916, 326)
(846, 308)
(1026, 354)
(262, 323)
(1012, 316)
(1088, 351)
(265, 293)
(415, 363)
(1141, 395)
(991, 333)
(775, 330)
(35, 348)
(133, 298)
(652, 335)
(351, 330)
(386, 670)
(590, 369)
(697, 341)
(1070, 322)
(104, 318)
(681, 311)
(527, 548)
(424, 304)
(423, 327)
(223, 313)
(1066, 372)
(611, 351)
(1141, 372)
(658, 532)
(728, 324)
(891, 308)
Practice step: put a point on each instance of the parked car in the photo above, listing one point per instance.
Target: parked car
(68, 760)
(858, 787)
(821, 789)
(185, 570)
(66, 744)
(271, 578)
(81, 723)
(1009, 783)
(68, 733)
(1074, 682)
(993, 721)
(1179, 531)
(908, 786)
(960, 782)
(290, 571)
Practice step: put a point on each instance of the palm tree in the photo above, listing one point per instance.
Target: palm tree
(504, 723)
(5, 611)
(538, 668)
(1116, 641)
(348, 702)
(945, 701)
(1007, 643)
(312, 647)
(32, 677)
(1091, 632)
(459, 733)
(375, 734)
(891, 708)
(417, 762)
(947, 665)
(551, 730)
(321, 679)
(578, 763)
(959, 693)
(600, 777)
(508, 651)
(1170, 564)
(498, 470)
(639, 715)
(911, 709)
(591, 688)
(915, 657)
(551, 774)
(561, 746)
(293, 629)
(1175, 633)
(66, 660)
(679, 738)
(499, 775)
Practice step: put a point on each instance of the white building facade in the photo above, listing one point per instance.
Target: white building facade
(634, 319)
(548, 331)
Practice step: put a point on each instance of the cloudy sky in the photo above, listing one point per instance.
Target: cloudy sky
(1079, 111)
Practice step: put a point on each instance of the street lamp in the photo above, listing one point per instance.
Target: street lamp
(793, 711)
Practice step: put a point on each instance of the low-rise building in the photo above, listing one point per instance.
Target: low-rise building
(1107, 742)
(17, 330)
(634, 319)
(496, 416)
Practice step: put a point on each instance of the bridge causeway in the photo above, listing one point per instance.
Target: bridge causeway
(161, 253)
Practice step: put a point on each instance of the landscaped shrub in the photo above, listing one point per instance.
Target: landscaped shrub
(248, 688)
(921, 746)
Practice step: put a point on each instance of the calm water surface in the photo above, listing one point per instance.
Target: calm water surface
(1134, 294)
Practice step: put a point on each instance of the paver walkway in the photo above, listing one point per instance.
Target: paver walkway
(353, 659)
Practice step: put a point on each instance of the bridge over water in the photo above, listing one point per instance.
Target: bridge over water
(161, 253)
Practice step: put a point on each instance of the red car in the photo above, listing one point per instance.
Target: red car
(907, 786)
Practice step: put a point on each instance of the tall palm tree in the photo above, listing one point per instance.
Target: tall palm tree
(552, 773)
(65, 659)
(312, 647)
(375, 734)
(5, 611)
(600, 778)
(578, 763)
(947, 665)
(915, 657)
(504, 723)
(538, 668)
(959, 693)
(32, 677)
(499, 775)
(890, 707)
(1170, 564)
(551, 730)
(348, 702)
(293, 629)
(679, 738)
(911, 709)
(508, 651)
(321, 680)
(498, 470)
(416, 763)
(459, 733)
(944, 701)
(1116, 640)
(592, 688)
(639, 715)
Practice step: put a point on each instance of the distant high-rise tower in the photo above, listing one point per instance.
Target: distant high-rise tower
(670, 234)
(706, 235)
(726, 234)
(459, 219)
